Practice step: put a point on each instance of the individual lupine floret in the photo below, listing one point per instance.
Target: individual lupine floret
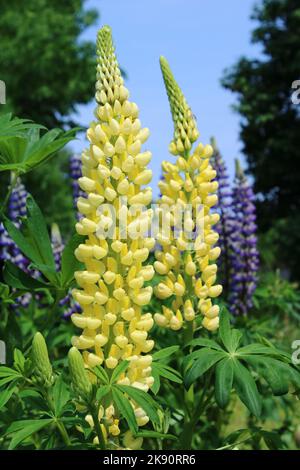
(111, 289)
(187, 188)
(224, 209)
(244, 258)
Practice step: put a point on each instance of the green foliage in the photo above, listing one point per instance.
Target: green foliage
(23, 153)
(270, 129)
(44, 59)
(233, 365)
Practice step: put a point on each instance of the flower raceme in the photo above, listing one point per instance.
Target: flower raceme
(187, 185)
(111, 289)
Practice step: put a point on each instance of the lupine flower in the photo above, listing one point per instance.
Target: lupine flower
(190, 275)
(224, 209)
(111, 289)
(57, 245)
(75, 172)
(243, 249)
(9, 251)
(16, 210)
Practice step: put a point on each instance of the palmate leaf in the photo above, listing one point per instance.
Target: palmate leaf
(232, 367)
(23, 153)
(15, 127)
(25, 428)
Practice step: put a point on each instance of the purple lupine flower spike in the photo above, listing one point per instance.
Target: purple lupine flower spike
(224, 210)
(243, 246)
(17, 210)
(75, 172)
(8, 249)
(57, 245)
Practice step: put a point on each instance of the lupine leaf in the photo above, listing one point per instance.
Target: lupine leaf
(143, 399)
(102, 392)
(155, 374)
(61, 395)
(155, 435)
(118, 371)
(204, 342)
(125, 409)
(6, 394)
(17, 278)
(69, 262)
(27, 428)
(8, 372)
(246, 388)
(101, 373)
(164, 353)
(225, 331)
(167, 372)
(38, 230)
(224, 380)
(15, 127)
(205, 360)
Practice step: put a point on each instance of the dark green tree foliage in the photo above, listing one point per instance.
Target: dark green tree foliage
(47, 68)
(270, 121)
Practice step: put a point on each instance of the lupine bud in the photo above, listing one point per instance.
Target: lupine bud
(40, 359)
(111, 289)
(79, 376)
(187, 185)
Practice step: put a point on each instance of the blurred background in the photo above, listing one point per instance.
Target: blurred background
(236, 62)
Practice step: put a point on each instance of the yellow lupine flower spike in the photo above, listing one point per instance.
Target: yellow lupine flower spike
(111, 289)
(190, 275)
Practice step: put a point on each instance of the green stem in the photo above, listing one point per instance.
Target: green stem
(8, 194)
(97, 428)
(63, 433)
(187, 434)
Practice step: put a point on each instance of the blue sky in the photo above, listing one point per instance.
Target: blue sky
(200, 38)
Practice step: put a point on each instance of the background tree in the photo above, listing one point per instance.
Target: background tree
(47, 68)
(270, 121)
